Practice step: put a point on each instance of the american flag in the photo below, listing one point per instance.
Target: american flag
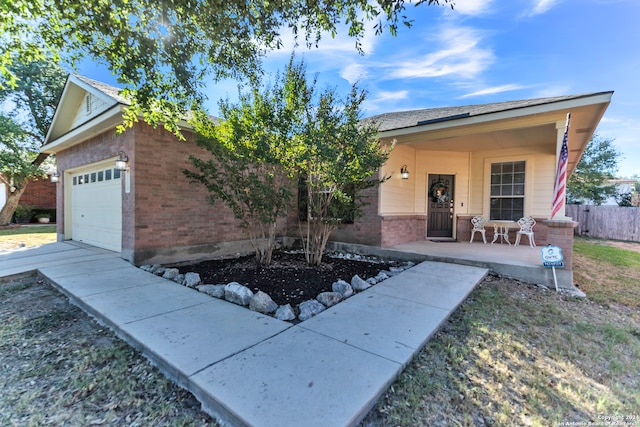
(560, 187)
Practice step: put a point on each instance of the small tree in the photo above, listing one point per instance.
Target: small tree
(244, 171)
(338, 157)
(598, 163)
(284, 132)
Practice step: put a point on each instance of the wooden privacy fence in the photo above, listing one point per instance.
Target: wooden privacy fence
(606, 222)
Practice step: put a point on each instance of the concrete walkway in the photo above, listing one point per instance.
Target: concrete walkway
(247, 368)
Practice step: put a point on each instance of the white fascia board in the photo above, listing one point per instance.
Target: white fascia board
(108, 119)
(604, 98)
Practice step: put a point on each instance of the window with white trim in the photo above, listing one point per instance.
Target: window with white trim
(507, 190)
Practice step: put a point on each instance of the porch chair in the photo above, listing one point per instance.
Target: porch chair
(478, 225)
(526, 227)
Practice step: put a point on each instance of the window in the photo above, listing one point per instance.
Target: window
(341, 212)
(507, 190)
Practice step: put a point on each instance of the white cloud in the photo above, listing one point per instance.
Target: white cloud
(391, 95)
(381, 101)
(354, 72)
(460, 56)
(541, 6)
(472, 7)
(494, 90)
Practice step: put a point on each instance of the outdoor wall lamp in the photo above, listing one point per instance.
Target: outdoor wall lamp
(404, 172)
(121, 161)
(55, 177)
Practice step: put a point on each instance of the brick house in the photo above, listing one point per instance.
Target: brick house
(151, 213)
(40, 194)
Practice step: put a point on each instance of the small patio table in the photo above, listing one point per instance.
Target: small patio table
(501, 229)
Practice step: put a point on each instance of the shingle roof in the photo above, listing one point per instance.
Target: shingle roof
(109, 90)
(406, 119)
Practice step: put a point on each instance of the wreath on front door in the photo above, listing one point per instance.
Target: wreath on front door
(440, 192)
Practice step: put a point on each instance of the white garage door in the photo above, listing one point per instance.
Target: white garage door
(96, 208)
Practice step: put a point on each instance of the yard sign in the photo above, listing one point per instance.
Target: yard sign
(552, 258)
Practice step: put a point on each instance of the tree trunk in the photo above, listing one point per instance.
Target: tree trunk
(11, 204)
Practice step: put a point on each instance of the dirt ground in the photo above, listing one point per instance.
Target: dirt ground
(288, 280)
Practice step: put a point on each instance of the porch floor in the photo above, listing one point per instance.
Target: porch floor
(519, 262)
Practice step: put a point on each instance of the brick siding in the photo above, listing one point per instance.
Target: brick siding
(40, 194)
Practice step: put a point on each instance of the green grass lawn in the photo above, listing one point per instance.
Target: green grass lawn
(27, 236)
(516, 354)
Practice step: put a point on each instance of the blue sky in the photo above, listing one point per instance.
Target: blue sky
(485, 51)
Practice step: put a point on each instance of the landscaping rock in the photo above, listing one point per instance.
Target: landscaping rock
(238, 294)
(216, 291)
(310, 308)
(179, 279)
(358, 284)
(192, 280)
(145, 267)
(159, 271)
(381, 276)
(390, 273)
(262, 303)
(343, 288)
(170, 273)
(154, 268)
(371, 280)
(329, 299)
(285, 312)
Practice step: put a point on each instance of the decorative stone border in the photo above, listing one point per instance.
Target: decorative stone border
(261, 302)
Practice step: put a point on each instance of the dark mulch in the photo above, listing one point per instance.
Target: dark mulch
(288, 280)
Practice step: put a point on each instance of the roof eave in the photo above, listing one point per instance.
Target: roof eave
(456, 121)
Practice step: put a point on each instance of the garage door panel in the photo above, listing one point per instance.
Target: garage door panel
(96, 204)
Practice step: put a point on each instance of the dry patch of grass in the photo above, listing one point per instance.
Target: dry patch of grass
(58, 367)
(607, 274)
(28, 236)
(517, 354)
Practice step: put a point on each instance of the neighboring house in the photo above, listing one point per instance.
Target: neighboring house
(623, 186)
(39, 194)
(496, 160)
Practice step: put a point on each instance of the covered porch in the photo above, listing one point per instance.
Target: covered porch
(517, 262)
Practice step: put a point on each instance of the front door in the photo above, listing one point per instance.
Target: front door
(440, 206)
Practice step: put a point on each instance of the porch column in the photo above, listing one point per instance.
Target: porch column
(560, 125)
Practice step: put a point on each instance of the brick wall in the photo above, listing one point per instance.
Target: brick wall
(367, 229)
(559, 233)
(40, 193)
(403, 229)
(169, 210)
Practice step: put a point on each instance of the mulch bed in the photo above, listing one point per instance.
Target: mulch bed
(288, 280)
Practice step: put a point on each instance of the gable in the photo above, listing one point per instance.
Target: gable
(83, 110)
(90, 105)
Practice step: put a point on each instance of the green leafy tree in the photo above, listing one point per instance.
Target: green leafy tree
(598, 163)
(162, 50)
(28, 108)
(244, 170)
(280, 133)
(338, 156)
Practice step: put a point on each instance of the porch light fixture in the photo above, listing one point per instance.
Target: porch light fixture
(121, 161)
(404, 172)
(55, 177)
